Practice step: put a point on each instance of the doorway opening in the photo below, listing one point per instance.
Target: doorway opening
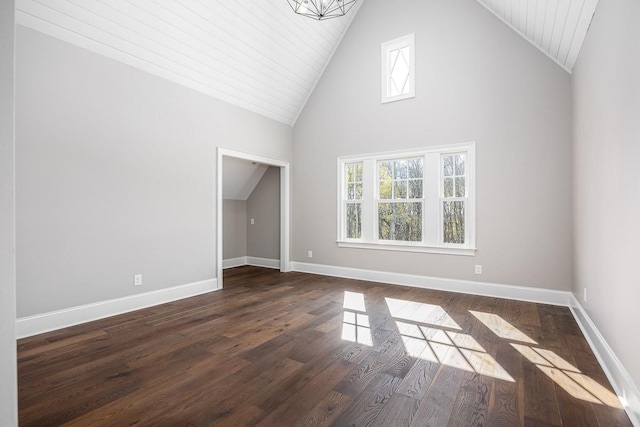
(283, 167)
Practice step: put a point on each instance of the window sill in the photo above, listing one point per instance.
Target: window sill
(443, 250)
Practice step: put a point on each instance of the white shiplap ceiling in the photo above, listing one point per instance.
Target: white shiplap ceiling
(556, 27)
(256, 54)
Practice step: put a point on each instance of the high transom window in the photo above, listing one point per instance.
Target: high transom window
(398, 69)
(419, 201)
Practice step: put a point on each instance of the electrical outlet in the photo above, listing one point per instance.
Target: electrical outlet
(584, 297)
(137, 280)
(253, 221)
(310, 254)
(478, 269)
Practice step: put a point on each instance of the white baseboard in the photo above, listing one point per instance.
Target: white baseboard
(251, 260)
(520, 293)
(618, 376)
(234, 262)
(40, 323)
(263, 262)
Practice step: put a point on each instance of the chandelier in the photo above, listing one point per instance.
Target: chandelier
(321, 9)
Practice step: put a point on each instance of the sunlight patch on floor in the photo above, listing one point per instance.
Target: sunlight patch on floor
(421, 313)
(354, 301)
(568, 376)
(355, 323)
(555, 367)
(501, 327)
(425, 335)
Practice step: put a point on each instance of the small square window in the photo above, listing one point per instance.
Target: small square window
(398, 69)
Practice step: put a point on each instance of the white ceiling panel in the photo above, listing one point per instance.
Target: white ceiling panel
(256, 54)
(556, 27)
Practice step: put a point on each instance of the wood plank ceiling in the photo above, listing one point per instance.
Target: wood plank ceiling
(258, 54)
(556, 27)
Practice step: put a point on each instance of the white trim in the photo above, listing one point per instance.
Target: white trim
(263, 262)
(519, 293)
(234, 262)
(218, 210)
(285, 205)
(618, 376)
(40, 323)
(251, 260)
(411, 152)
(407, 247)
(285, 217)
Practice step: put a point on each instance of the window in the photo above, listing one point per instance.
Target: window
(398, 69)
(400, 199)
(420, 201)
(353, 202)
(454, 197)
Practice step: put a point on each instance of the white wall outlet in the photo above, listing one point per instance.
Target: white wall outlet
(253, 221)
(584, 297)
(137, 280)
(478, 269)
(310, 254)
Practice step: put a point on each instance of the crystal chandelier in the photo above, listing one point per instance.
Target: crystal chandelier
(321, 9)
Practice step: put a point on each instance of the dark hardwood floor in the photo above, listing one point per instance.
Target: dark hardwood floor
(275, 349)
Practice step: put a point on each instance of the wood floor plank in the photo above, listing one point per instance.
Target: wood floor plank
(436, 408)
(278, 349)
(399, 411)
(370, 403)
(506, 404)
(471, 406)
(417, 381)
(309, 387)
(326, 411)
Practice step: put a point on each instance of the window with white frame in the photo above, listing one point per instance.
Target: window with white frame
(399, 199)
(353, 200)
(398, 69)
(420, 200)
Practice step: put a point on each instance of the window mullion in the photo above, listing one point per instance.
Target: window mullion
(432, 184)
(369, 188)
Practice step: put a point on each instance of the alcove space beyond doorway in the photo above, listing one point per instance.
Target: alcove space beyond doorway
(254, 170)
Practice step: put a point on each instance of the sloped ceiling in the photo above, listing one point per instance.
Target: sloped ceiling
(240, 177)
(556, 27)
(256, 54)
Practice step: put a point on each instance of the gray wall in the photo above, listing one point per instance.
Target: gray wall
(606, 91)
(476, 80)
(116, 175)
(263, 237)
(8, 381)
(234, 229)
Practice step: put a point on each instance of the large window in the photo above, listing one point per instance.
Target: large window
(419, 201)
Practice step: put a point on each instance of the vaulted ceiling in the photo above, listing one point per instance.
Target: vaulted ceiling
(258, 54)
(556, 27)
